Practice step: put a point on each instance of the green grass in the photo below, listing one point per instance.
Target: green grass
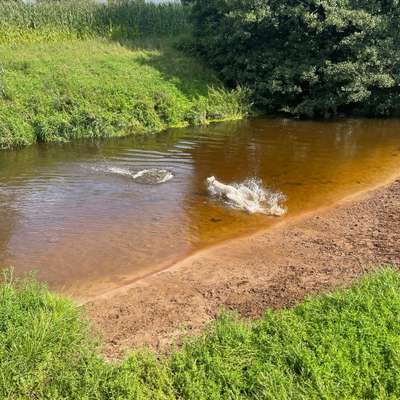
(77, 69)
(71, 89)
(343, 345)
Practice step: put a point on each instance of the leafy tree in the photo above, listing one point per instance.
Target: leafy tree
(310, 57)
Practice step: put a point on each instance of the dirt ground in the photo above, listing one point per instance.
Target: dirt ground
(274, 268)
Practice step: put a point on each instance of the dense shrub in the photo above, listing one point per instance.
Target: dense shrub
(313, 58)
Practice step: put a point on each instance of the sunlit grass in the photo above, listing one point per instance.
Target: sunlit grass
(343, 345)
(64, 90)
(78, 69)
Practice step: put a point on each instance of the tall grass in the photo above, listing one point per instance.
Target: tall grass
(343, 345)
(82, 18)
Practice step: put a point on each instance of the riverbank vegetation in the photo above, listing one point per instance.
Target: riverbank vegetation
(339, 345)
(76, 69)
(314, 58)
(80, 69)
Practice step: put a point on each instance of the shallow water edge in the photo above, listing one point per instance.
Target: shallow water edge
(88, 231)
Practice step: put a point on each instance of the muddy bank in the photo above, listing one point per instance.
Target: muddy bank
(275, 268)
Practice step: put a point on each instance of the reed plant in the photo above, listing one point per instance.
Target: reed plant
(51, 20)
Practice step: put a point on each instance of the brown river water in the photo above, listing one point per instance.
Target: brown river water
(72, 213)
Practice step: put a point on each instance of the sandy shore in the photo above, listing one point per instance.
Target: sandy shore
(274, 268)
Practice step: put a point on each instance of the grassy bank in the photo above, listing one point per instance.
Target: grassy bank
(71, 70)
(340, 345)
(58, 91)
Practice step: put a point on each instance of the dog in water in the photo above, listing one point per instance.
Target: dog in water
(248, 196)
(228, 192)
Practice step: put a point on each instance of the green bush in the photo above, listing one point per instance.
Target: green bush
(311, 58)
(222, 103)
(342, 345)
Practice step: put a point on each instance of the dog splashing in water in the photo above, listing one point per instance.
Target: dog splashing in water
(249, 196)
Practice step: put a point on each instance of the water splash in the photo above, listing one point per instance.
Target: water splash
(115, 171)
(250, 196)
(152, 176)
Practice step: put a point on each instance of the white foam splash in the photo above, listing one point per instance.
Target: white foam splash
(250, 196)
(151, 176)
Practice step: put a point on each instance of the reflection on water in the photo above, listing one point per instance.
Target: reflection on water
(86, 230)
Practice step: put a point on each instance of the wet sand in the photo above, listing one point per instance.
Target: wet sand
(274, 268)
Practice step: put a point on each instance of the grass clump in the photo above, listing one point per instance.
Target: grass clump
(340, 345)
(45, 349)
